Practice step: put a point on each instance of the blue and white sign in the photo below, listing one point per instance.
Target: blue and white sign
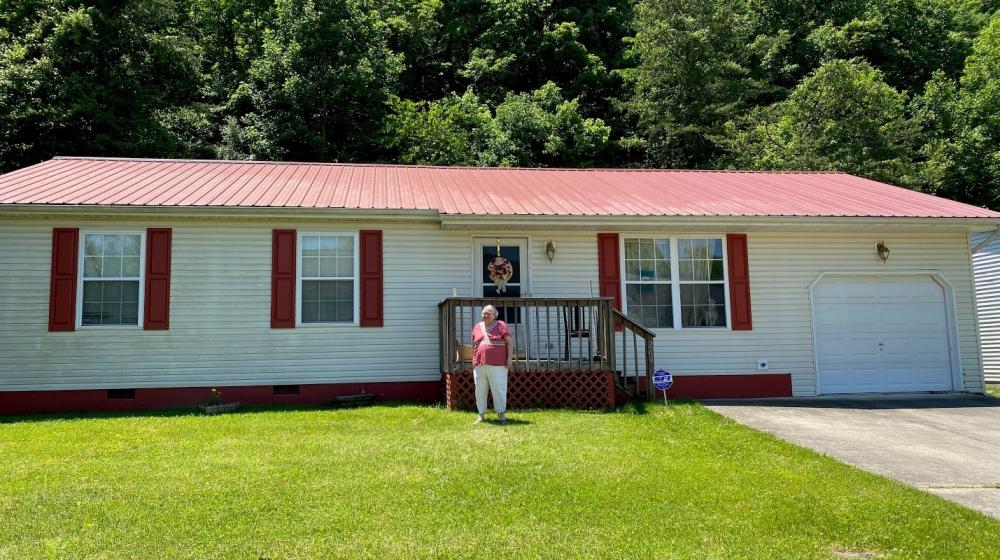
(662, 379)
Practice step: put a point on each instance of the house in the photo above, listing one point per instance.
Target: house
(133, 283)
(986, 267)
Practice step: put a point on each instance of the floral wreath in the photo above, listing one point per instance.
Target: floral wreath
(501, 272)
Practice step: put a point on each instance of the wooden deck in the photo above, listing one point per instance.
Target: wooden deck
(568, 351)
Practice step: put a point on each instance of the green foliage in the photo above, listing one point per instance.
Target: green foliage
(319, 87)
(678, 83)
(692, 76)
(90, 79)
(843, 117)
(540, 128)
(451, 131)
(543, 129)
(961, 123)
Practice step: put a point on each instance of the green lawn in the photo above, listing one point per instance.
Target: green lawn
(422, 482)
(993, 390)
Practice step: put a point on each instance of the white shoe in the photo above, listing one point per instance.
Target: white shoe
(479, 420)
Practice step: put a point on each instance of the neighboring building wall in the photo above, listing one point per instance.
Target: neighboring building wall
(220, 307)
(986, 264)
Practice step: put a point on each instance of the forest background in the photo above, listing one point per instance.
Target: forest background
(902, 91)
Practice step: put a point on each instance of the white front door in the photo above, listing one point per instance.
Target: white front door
(879, 334)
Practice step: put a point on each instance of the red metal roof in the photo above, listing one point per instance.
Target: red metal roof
(467, 190)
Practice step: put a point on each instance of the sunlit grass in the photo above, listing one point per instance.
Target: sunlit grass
(422, 482)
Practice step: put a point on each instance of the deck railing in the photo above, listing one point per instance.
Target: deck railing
(634, 357)
(569, 334)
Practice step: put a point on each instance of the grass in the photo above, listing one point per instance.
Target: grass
(661, 481)
(993, 390)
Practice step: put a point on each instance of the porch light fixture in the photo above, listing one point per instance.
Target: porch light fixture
(550, 249)
(882, 250)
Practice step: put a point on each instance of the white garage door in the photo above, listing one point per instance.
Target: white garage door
(881, 334)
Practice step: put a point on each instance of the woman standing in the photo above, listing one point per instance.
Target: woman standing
(493, 356)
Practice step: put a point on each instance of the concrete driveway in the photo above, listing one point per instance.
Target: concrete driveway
(945, 444)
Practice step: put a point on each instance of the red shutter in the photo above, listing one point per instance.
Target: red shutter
(62, 282)
(608, 270)
(739, 281)
(157, 297)
(371, 278)
(283, 279)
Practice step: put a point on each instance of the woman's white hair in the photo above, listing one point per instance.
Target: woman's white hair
(491, 309)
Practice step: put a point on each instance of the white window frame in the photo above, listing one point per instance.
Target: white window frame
(140, 318)
(357, 278)
(674, 291)
(675, 280)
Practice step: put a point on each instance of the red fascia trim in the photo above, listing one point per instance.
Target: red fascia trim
(96, 400)
(749, 386)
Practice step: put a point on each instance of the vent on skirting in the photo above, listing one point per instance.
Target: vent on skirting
(286, 389)
(119, 394)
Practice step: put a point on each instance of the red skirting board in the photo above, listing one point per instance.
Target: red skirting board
(96, 400)
(749, 386)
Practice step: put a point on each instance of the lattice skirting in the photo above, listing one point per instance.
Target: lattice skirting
(538, 389)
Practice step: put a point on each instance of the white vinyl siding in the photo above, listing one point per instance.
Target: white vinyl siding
(987, 269)
(220, 306)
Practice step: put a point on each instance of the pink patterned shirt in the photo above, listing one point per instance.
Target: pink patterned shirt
(490, 344)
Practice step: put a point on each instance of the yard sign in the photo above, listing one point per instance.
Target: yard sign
(662, 380)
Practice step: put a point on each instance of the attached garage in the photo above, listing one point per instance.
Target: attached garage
(883, 334)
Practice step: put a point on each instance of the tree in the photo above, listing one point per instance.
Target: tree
(961, 122)
(843, 117)
(691, 77)
(318, 91)
(541, 128)
(98, 78)
(907, 40)
(455, 130)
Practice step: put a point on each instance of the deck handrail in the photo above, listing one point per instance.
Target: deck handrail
(553, 332)
(628, 377)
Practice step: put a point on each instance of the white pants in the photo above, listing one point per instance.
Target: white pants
(491, 379)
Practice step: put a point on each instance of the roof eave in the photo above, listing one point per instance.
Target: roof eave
(505, 222)
(217, 212)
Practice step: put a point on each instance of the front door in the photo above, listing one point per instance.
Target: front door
(514, 250)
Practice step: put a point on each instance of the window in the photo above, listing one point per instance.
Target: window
(702, 282)
(328, 266)
(675, 281)
(112, 278)
(647, 282)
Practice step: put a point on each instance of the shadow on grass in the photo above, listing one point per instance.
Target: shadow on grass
(511, 422)
(193, 411)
